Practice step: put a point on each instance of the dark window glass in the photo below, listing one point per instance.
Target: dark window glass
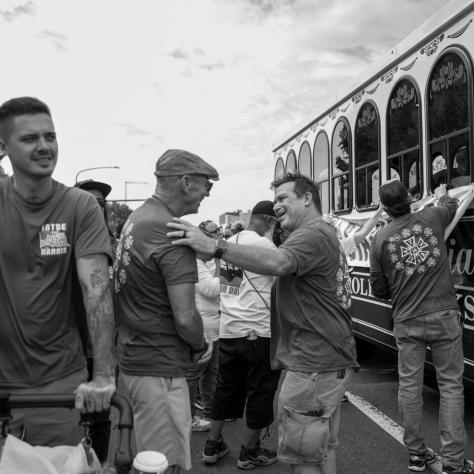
(367, 156)
(403, 137)
(448, 96)
(291, 162)
(304, 161)
(279, 169)
(341, 166)
(449, 91)
(320, 168)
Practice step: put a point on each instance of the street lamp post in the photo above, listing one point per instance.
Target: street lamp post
(132, 182)
(95, 168)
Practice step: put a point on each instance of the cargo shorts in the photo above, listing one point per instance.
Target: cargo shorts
(309, 415)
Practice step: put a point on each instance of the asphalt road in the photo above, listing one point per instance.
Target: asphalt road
(365, 447)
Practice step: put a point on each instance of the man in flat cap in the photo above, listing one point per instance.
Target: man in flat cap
(409, 264)
(245, 380)
(159, 328)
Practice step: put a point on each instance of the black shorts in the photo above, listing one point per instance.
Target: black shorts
(245, 376)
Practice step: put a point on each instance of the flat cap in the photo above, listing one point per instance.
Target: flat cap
(264, 207)
(179, 162)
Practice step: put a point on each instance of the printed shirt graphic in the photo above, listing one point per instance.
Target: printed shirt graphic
(245, 304)
(409, 262)
(53, 239)
(147, 264)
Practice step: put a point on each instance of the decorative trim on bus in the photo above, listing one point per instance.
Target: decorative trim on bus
(408, 66)
(458, 33)
(432, 46)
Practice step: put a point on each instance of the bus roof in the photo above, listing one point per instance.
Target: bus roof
(448, 15)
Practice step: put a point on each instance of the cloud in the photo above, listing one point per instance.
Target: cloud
(58, 40)
(357, 52)
(28, 9)
(132, 130)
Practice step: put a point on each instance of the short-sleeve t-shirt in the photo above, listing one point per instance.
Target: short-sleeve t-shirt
(409, 262)
(311, 324)
(39, 244)
(245, 296)
(146, 264)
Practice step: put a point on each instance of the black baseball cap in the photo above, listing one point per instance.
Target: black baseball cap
(89, 184)
(264, 207)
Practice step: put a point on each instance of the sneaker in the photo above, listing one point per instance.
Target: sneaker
(252, 458)
(345, 398)
(200, 424)
(418, 463)
(468, 468)
(214, 450)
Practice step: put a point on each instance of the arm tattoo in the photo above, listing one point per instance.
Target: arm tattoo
(97, 295)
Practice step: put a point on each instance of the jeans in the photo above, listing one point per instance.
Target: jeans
(204, 376)
(442, 331)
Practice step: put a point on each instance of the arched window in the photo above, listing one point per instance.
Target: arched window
(341, 167)
(290, 162)
(367, 156)
(449, 94)
(279, 169)
(304, 160)
(320, 168)
(404, 137)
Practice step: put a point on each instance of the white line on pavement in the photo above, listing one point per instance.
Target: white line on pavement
(382, 420)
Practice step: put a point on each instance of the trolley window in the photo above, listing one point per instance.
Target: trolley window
(449, 95)
(404, 137)
(341, 166)
(279, 169)
(290, 162)
(304, 160)
(320, 167)
(367, 156)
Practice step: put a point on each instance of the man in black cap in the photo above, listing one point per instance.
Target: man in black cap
(409, 264)
(245, 378)
(160, 331)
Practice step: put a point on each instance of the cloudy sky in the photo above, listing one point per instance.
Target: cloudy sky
(225, 79)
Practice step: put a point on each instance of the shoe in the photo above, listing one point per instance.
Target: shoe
(418, 463)
(345, 398)
(252, 458)
(214, 450)
(198, 406)
(200, 424)
(468, 468)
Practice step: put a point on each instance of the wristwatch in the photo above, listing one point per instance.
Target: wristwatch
(221, 248)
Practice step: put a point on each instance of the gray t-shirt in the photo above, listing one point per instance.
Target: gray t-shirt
(39, 244)
(311, 324)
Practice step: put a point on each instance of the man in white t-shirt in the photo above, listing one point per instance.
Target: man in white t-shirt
(245, 379)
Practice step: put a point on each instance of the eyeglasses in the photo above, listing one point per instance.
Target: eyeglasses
(208, 184)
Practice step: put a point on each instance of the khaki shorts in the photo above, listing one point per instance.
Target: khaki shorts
(309, 415)
(162, 416)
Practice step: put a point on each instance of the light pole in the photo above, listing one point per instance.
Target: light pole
(132, 182)
(96, 168)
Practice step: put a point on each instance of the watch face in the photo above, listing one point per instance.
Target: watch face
(222, 244)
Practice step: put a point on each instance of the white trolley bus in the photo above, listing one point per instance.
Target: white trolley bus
(407, 119)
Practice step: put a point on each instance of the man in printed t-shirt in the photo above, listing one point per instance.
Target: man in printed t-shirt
(160, 332)
(245, 379)
(311, 331)
(49, 233)
(409, 264)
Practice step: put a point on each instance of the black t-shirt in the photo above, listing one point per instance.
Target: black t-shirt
(311, 325)
(146, 264)
(39, 243)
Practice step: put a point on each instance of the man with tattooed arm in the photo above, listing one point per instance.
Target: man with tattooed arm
(50, 234)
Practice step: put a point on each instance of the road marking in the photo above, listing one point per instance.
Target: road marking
(386, 423)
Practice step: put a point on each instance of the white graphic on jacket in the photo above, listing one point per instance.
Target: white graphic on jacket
(123, 256)
(53, 239)
(343, 290)
(414, 250)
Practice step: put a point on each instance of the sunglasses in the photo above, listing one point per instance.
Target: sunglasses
(208, 184)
